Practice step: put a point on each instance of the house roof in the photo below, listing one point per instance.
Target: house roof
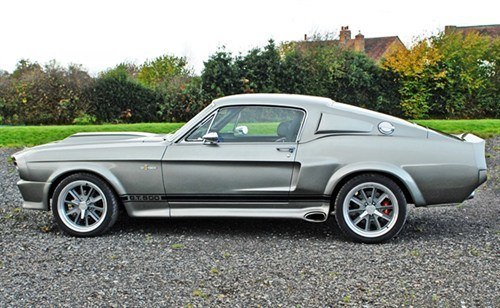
(488, 30)
(375, 47)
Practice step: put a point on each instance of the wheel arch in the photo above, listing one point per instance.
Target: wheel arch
(103, 174)
(399, 176)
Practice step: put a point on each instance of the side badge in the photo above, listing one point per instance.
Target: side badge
(146, 167)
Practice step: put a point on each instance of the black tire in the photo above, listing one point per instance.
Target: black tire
(104, 208)
(355, 200)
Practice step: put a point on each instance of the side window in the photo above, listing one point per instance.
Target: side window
(257, 124)
(200, 131)
(226, 120)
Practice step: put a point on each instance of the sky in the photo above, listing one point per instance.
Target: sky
(101, 34)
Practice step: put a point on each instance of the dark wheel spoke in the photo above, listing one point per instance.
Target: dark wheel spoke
(372, 197)
(356, 210)
(74, 210)
(377, 223)
(360, 218)
(94, 216)
(365, 198)
(367, 225)
(358, 202)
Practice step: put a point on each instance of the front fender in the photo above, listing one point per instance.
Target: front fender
(98, 169)
(37, 190)
(102, 171)
(380, 167)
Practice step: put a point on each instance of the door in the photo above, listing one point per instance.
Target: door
(245, 172)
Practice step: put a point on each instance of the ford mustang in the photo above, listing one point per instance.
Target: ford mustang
(256, 155)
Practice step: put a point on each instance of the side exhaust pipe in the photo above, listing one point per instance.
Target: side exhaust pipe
(315, 217)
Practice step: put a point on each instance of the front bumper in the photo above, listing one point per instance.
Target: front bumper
(34, 194)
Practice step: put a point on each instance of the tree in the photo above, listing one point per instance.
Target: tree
(260, 69)
(117, 98)
(52, 94)
(5, 93)
(124, 69)
(162, 70)
(220, 75)
(448, 76)
(324, 69)
(182, 100)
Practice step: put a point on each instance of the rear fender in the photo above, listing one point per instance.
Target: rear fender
(379, 167)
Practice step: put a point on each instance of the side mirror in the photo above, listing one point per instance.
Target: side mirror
(211, 138)
(241, 130)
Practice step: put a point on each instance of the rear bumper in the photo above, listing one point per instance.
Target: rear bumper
(34, 194)
(482, 176)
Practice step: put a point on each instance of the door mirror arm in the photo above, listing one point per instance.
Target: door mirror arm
(210, 138)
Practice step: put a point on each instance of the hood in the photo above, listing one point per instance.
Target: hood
(92, 140)
(104, 138)
(107, 136)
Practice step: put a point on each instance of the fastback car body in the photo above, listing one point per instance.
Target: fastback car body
(256, 155)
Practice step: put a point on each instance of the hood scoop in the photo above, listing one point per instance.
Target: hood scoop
(103, 137)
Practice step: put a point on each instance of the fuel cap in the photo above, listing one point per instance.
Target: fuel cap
(386, 128)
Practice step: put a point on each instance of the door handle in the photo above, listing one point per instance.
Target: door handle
(286, 149)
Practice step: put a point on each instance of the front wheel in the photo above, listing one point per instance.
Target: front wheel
(84, 205)
(370, 208)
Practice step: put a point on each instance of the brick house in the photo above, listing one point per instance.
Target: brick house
(374, 47)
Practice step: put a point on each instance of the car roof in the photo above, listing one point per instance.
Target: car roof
(295, 100)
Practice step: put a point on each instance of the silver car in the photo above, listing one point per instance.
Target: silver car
(256, 155)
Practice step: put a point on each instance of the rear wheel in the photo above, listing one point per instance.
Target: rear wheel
(370, 208)
(84, 205)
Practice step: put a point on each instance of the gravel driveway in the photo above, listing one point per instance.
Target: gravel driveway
(445, 256)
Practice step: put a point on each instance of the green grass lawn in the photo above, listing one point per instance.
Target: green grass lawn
(20, 136)
(485, 128)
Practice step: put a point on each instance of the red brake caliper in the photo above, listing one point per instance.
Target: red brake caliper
(386, 203)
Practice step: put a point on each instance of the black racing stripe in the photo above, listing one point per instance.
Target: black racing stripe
(222, 198)
(228, 198)
(144, 198)
(310, 198)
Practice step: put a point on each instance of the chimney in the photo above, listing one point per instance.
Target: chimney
(359, 42)
(345, 35)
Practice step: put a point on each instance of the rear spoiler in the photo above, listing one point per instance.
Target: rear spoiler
(468, 137)
(460, 136)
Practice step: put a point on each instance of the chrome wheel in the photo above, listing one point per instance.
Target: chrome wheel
(370, 209)
(82, 206)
